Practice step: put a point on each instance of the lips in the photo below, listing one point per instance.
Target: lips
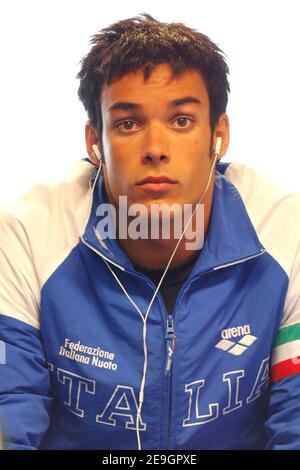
(156, 185)
(156, 180)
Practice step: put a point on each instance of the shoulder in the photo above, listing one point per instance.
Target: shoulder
(70, 189)
(48, 219)
(274, 212)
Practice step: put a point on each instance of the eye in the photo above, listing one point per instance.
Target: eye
(183, 122)
(126, 125)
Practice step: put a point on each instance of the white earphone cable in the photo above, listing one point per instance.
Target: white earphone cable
(144, 319)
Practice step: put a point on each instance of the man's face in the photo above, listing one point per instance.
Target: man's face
(156, 128)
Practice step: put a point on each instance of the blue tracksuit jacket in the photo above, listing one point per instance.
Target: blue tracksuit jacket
(71, 342)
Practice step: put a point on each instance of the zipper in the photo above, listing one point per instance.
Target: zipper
(170, 338)
(170, 344)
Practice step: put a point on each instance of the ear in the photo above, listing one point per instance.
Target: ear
(222, 130)
(91, 138)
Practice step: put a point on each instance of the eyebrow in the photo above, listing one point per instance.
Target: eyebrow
(184, 100)
(125, 106)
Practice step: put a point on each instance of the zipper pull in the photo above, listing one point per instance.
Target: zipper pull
(170, 343)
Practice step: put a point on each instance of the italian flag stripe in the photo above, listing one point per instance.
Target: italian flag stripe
(286, 353)
(287, 334)
(285, 369)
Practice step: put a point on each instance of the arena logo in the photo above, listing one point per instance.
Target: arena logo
(159, 221)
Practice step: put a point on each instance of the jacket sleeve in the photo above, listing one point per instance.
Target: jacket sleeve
(283, 423)
(25, 394)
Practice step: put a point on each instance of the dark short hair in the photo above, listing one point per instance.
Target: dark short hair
(142, 43)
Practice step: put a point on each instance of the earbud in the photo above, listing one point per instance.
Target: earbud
(96, 151)
(218, 145)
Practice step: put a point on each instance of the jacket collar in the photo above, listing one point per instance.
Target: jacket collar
(231, 237)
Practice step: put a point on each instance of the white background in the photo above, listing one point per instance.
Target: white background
(42, 43)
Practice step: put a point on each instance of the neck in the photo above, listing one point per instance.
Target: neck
(155, 253)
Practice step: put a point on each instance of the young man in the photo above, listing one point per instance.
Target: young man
(112, 341)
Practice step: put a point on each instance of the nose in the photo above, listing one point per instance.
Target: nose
(155, 148)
